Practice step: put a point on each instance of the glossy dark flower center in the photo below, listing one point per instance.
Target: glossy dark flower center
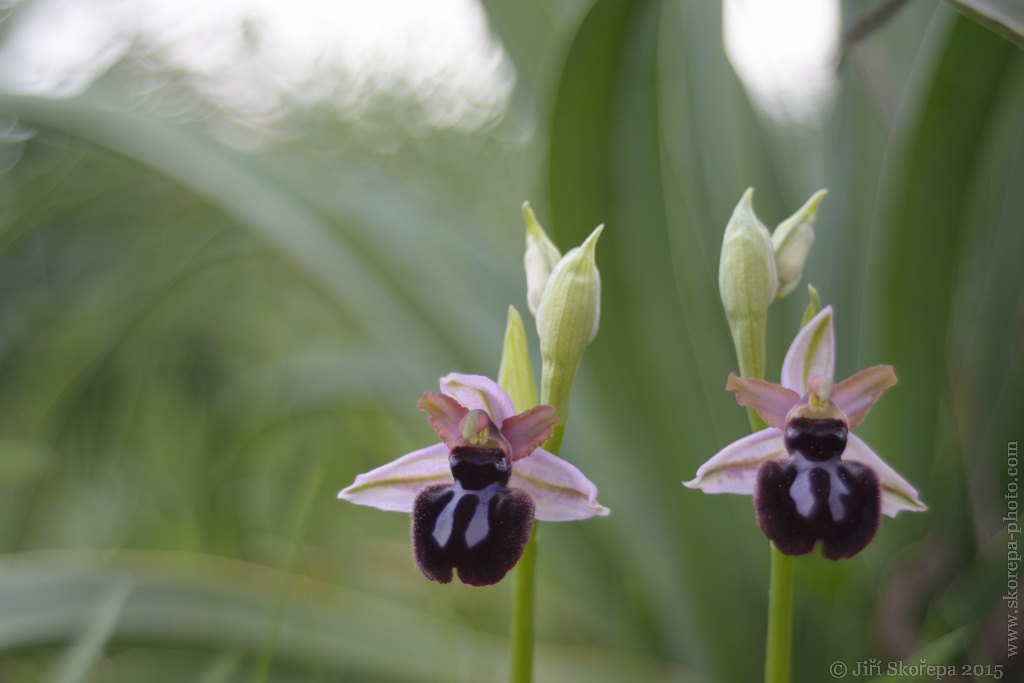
(478, 468)
(817, 440)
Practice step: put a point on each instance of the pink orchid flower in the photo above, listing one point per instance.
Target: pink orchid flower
(474, 496)
(811, 478)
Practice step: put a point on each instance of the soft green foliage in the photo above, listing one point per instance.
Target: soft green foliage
(200, 345)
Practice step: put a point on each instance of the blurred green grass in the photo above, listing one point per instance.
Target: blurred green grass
(196, 339)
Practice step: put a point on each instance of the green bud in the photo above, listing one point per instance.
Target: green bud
(567, 321)
(747, 283)
(515, 374)
(813, 306)
(792, 242)
(541, 258)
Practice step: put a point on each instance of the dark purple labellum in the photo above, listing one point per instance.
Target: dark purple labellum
(815, 496)
(476, 526)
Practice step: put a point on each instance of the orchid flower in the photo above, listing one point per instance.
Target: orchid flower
(811, 478)
(474, 496)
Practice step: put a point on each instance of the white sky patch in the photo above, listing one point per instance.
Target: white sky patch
(249, 52)
(250, 56)
(785, 52)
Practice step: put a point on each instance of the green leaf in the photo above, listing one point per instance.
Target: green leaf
(1005, 17)
(81, 658)
(580, 154)
(923, 228)
(210, 604)
(271, 212)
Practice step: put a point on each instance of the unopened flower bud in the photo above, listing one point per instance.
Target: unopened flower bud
(747, 283)
(567, 321)
(541, 258)
(792, 242)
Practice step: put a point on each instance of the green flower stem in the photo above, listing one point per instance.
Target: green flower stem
(779, 645)
(755, 269)
(522, 609)
(515, 375)
(522, 612)
(780, 618)
(779, 648)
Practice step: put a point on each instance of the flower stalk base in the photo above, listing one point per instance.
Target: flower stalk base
(779, 646)
(522, 612)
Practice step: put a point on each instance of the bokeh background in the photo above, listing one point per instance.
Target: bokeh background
(229, 267)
